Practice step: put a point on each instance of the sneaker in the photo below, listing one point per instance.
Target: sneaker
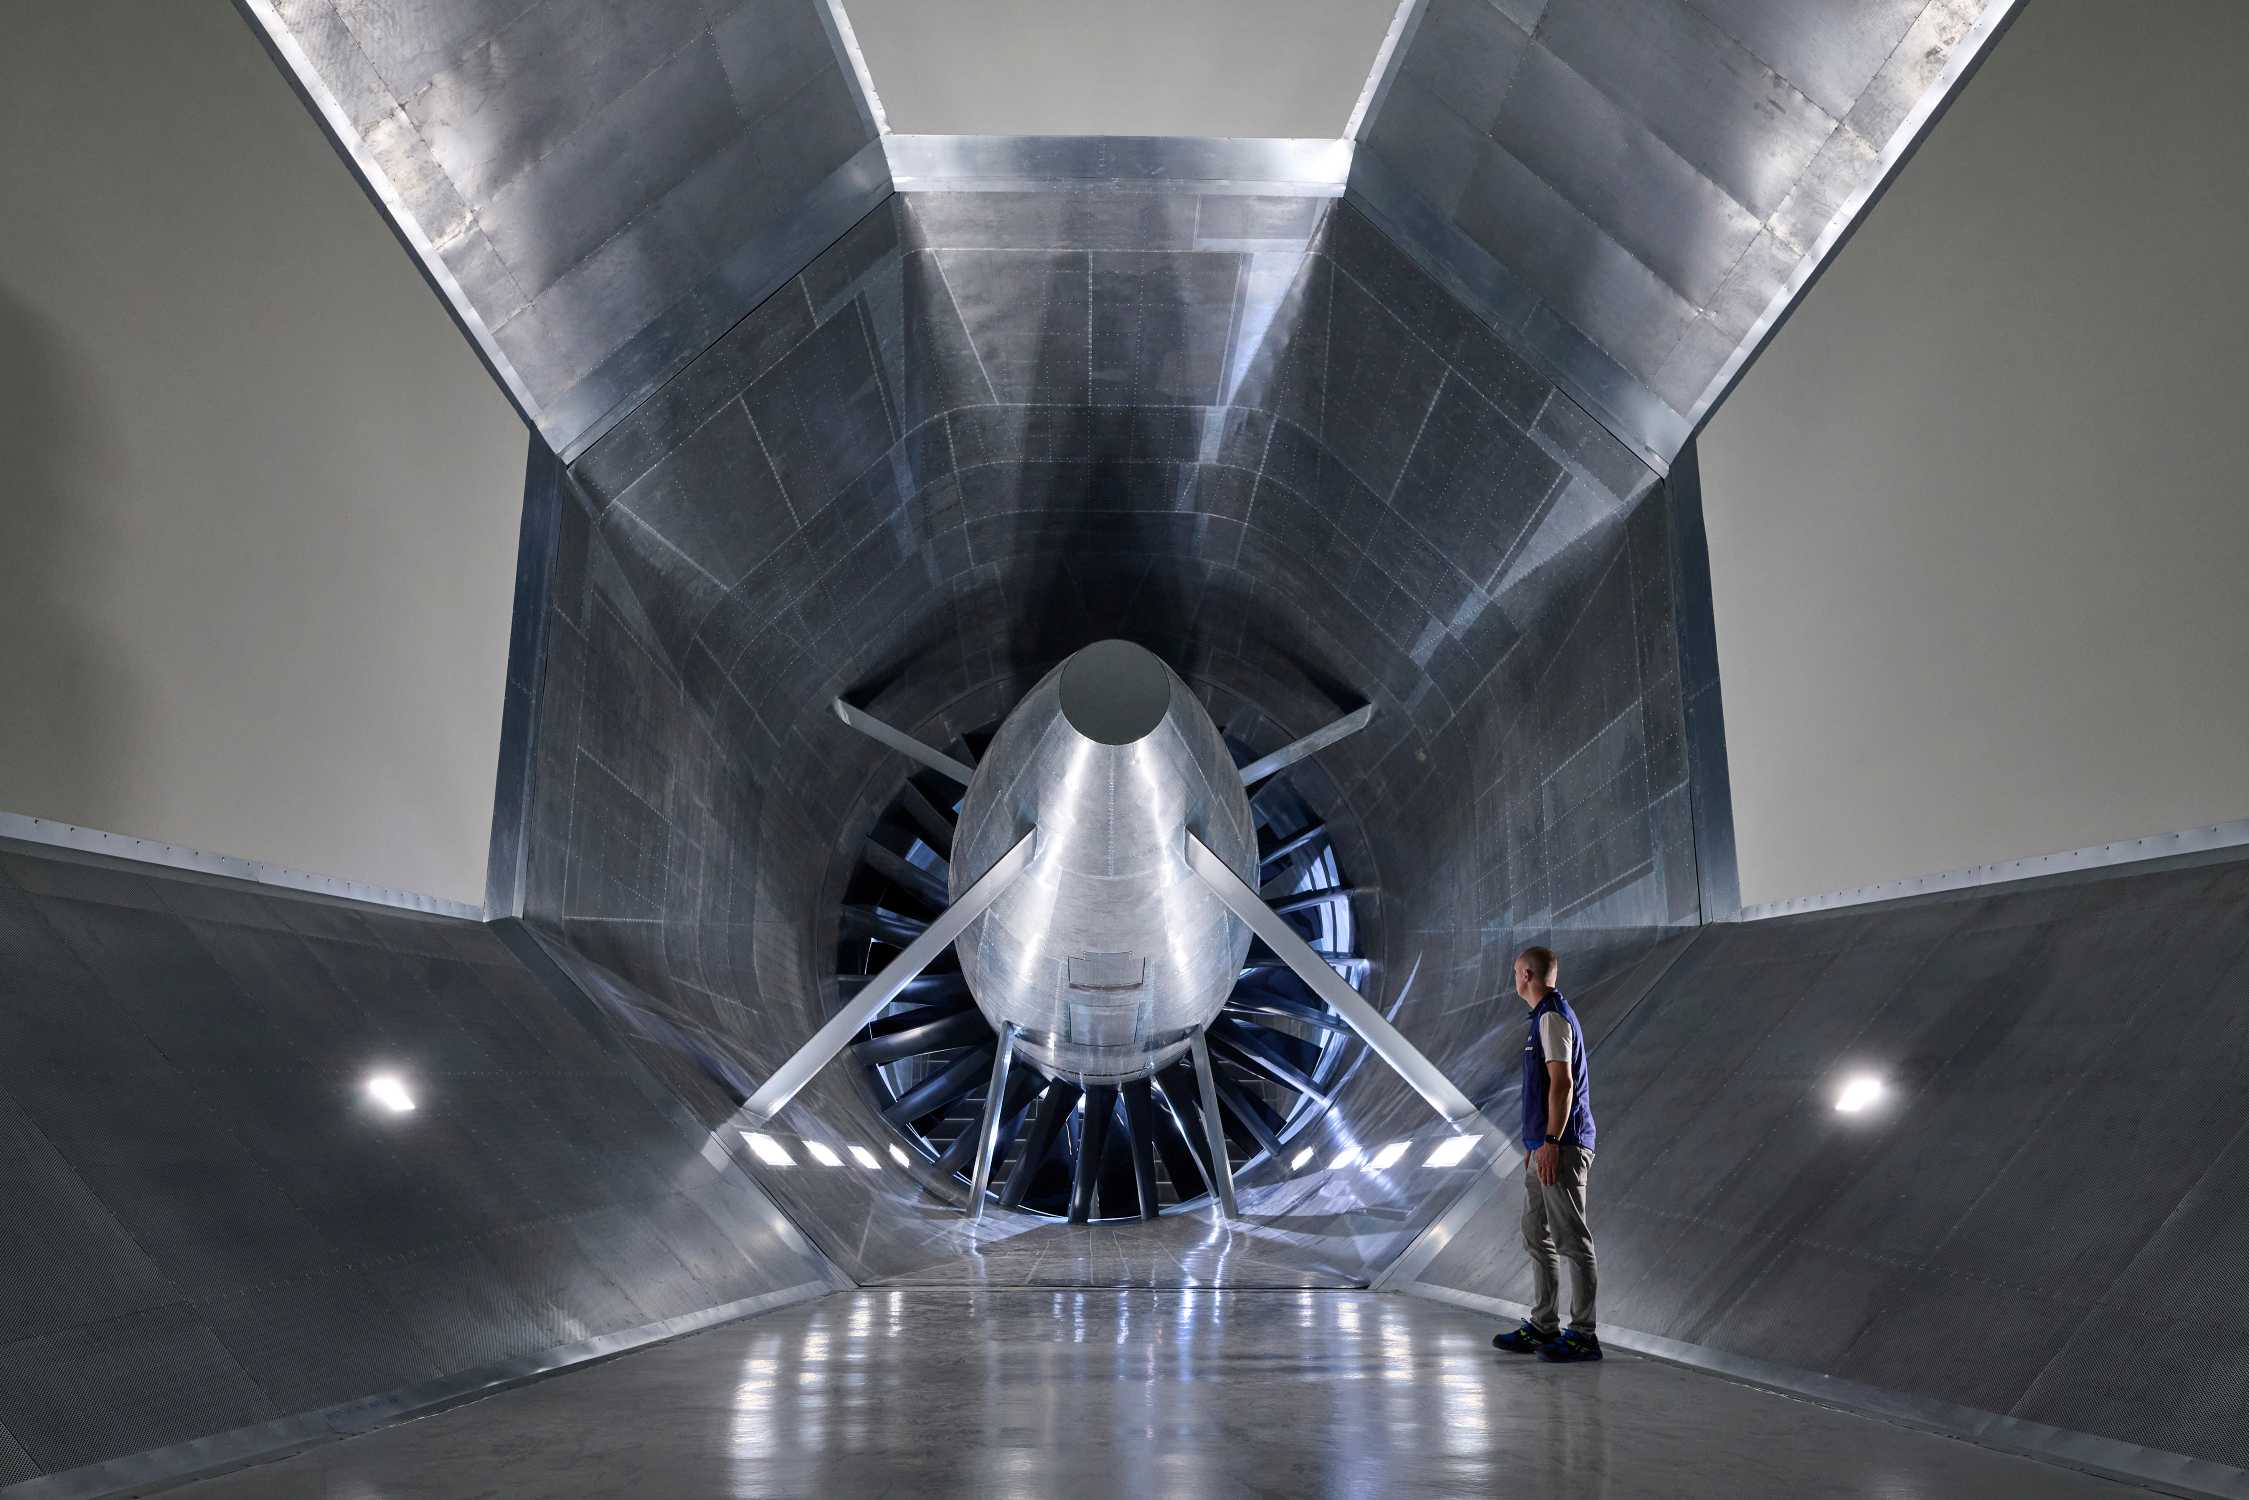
(1571, 1348)
(1523, 1340)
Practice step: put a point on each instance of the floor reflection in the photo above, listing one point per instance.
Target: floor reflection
(1093, 1392)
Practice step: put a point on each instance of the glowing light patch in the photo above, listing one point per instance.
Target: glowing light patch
(823, 1153)
(768, 1150)
(1344, 1158)
(898, 1155)
(1389, 1155)
(1453, 1152)
(1296, 1163)
(389, 1090)
(865, 1158)
(1859, 1094)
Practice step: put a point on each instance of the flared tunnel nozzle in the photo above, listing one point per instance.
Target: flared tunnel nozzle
(1115, 693)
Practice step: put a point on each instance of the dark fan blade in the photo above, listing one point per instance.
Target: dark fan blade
(937, 1091)
(1140, 1131)
(1046, 1123)
(917, 882)
(960, 1155)
(1182, 1161)
(1308, 900)
(936, 828)
(961, 1028)
(949, 989)
(1255, 1053)
(1100, 1105)
(1179, 1088)
(1248, 1002)
(1259, 1121)
(884, 926)
(1293, 843)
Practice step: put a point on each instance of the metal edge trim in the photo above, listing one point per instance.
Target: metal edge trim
(2153, 849)
(242, 1447)
(294, 65)
(1389, 57)
(2108, 1457)
(1896, 152)
(538, 536)
(1277, 166)
(1587, 374)
(1702, 714)
(854, 63)
(59, 835)
(688, 327)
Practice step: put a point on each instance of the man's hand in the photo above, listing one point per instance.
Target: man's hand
(1546, 1161)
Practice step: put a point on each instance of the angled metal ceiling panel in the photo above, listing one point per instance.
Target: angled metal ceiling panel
(598, 189)
(1637, 190)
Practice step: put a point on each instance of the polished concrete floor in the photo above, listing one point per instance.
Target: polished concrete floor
(1177, 1250)
(1087, 1393)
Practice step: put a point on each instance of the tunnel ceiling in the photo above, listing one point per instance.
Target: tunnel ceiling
(1630, 190)
(908, 419)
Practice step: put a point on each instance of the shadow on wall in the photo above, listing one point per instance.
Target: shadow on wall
(65, 742)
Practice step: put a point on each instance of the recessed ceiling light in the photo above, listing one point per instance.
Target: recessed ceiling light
(768, 1149)
(824, 1154)
(1388, 1156)
(898, 1155)
(1453, 1152)
(1859, 1094)
(865, 1158)
(1344, 1158)
(1296, 1162)
(389, 1090)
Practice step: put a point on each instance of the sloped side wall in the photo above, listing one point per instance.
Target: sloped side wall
(206, 1226)
(2048, 1217)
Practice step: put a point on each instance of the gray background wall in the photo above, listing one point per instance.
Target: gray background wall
(261, 499)
(1976, 517)
(1171, 67)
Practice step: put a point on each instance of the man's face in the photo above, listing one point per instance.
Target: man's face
(1527, 979)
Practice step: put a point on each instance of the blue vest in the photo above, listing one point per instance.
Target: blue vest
(1578, 1129)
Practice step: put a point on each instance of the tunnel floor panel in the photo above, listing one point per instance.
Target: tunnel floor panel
(942, 1391)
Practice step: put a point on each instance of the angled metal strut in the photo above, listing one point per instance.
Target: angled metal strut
(1318, 740)
(904, 743)
(1384, 1039)
(885, 987)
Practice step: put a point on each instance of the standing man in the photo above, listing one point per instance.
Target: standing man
(1558, 1137)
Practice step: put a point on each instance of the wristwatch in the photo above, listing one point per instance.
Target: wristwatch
(1555, 1140)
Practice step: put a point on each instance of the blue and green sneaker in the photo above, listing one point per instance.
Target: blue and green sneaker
(1571, 1348)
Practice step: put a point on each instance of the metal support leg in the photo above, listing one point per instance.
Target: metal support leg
(886, 986)
(1221, 1169)
(1140, 1125)
(1093, 1148)
(1357, 1012)
(904, 743)
(1318, 740)
(988, 1133)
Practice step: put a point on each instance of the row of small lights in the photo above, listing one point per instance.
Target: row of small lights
(774, 1154)
(1857, 1095)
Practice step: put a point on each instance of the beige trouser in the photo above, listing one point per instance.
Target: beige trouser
(1554, 1230)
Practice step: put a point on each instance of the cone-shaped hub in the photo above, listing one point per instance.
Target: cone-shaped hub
(1108, 952)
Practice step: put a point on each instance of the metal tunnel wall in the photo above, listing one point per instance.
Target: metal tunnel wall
(987, 428)
(2046, 1221)
(211, 1237)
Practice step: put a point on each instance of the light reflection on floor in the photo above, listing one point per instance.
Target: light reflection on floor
(1088, 1393)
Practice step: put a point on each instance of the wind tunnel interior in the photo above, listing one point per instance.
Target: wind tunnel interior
(984, 430)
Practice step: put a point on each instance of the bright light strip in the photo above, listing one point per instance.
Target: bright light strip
(1296, 1163)
(823, 1153)
(768, 1150)
(865, 1158)
(1453, 1152)
(1858, 1094)
(1388, 1156)
(388, 1090)
(1344, 1158)
(898, 1155)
